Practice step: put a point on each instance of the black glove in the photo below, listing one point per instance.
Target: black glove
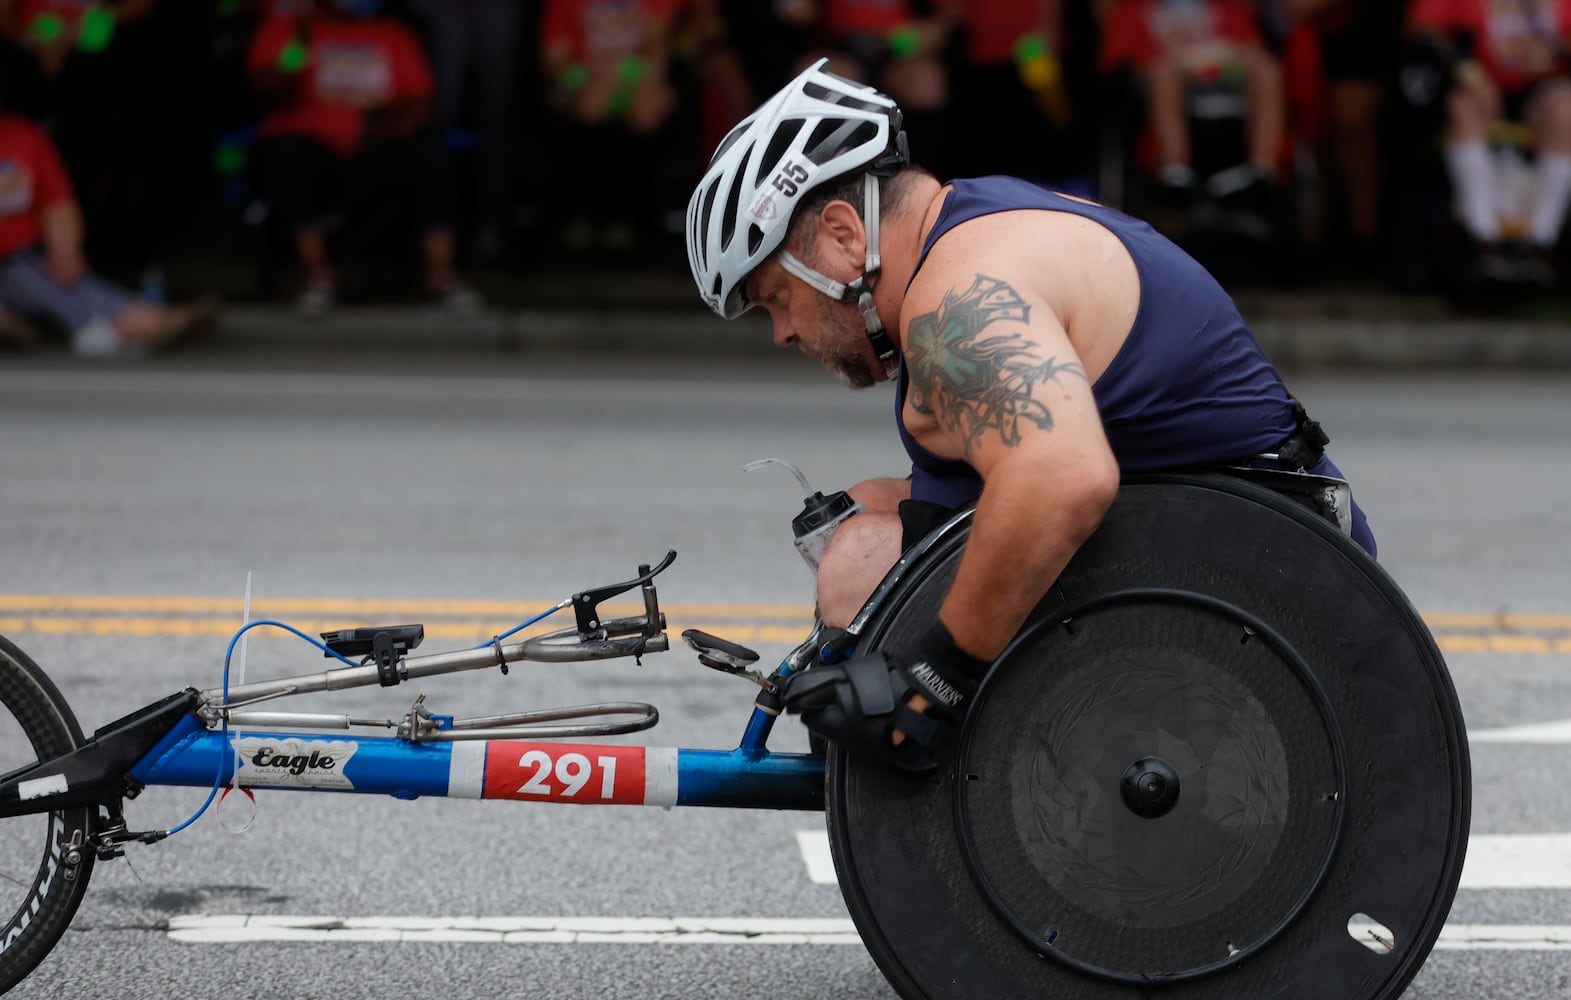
(860, 703)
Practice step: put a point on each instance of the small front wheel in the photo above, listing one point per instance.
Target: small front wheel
(45, 858)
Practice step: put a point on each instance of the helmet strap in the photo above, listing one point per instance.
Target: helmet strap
(859, 291)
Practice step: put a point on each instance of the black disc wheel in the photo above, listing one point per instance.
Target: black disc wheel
(1223, 760)
(44, 857)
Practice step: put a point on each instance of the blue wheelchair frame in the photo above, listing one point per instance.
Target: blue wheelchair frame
(216, 738)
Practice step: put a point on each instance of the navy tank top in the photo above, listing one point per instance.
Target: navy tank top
(1189, 387)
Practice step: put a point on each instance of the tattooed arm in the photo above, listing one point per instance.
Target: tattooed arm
(991, 365)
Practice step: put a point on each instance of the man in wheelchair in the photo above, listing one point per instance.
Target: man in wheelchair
(1040, 344)
(1508, 127)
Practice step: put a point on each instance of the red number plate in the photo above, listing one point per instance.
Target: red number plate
(564, 772)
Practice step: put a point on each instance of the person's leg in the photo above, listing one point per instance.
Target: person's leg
(1549, 115)
(1265, 103)
(84, 311)
(1167, 111)
(1353, 114)
(861, 551)
(426, 157)
(1471, 108)
(101, 318)
(295, 170)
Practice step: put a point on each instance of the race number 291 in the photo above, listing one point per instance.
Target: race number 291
(564, 772)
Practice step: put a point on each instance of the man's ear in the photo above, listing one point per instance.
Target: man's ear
(841, 227)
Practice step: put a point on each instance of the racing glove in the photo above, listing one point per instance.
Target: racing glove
(860, 703)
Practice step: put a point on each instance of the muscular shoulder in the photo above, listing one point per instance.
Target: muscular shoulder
(1058, 262)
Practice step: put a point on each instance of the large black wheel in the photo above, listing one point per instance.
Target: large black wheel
(45, 859)
(1223, 760)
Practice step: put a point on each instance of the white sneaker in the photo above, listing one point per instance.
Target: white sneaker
(100, 339)
(457, 297)
(317, 298)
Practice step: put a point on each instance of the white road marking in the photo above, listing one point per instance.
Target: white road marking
(1504, 937)
(1533, 732)
(246, 928)
(814, 845)
(237, 928)
(1518, 861)
(1494, 861)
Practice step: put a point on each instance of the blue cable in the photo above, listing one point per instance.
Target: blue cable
(523, 625)
(223, 728)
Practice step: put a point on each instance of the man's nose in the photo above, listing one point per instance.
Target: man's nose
(785, 336)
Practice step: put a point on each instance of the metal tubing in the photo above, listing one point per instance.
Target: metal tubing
(743, 780)
(438, 663)
(759, 725)
(302, 720)
(375, 765)
(194, 756)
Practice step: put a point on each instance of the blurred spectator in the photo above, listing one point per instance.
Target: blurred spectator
(44, 274)
(474, 44)
(770, 37)
(607, 67)
(702, 40)
(894, 46)
(1177, 49)
(1508, 63)
(1359, 46)
(85, 71)
(352, 103)
(1019, 75)
(55, 32)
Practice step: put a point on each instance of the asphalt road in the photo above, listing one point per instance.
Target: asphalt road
(139, 502)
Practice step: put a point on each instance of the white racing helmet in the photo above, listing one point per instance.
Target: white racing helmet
(817, 130)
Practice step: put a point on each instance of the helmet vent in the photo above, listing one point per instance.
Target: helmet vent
(831, 138)
(730, 140)
(843, 97)
(708, 210)
(728, 214)
(778, 144)
(755, 239)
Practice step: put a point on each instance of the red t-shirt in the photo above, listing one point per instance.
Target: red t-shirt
(1515, 41)
(69, 11)
(32, 180)
(602, 32)
(842, 18)
(353, 66)
(1202, 35)
(992, 29)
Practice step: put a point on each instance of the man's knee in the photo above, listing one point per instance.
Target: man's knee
(881, 496)
(854, 562)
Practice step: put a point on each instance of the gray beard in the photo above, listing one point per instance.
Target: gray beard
(853, 373)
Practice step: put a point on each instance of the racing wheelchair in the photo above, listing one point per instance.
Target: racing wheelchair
(1222, 759)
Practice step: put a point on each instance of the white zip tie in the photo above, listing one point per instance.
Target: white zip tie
(234, 774)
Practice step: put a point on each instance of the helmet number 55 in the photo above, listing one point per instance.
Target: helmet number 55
(788, 179)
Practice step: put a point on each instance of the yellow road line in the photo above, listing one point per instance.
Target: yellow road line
(518, 609)
(448, 621)
(475, 632)
(277, 606)
(480, 629)
(1496, 643)
(1505, 621)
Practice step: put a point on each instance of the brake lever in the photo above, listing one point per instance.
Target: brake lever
(586, 603)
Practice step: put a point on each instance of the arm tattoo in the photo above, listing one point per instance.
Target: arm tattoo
(979, 383)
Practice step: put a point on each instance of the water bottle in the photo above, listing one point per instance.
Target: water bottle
(820, 515)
